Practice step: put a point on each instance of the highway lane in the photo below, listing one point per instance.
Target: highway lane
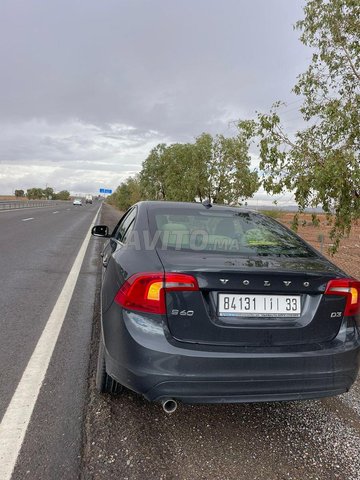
(38, 248)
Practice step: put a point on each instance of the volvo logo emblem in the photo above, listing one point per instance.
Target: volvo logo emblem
(306, 284)
(286, 283)
(246, 282)
(224, 281)
(267, 283)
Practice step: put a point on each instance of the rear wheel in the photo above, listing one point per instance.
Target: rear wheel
(105, 383)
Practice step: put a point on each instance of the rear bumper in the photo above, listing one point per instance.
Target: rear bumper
(270, 389)
(139, 356)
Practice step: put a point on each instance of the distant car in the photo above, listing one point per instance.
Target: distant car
(77, 201)
(211, 304)
(89, 199)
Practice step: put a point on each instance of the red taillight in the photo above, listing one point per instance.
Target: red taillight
(350, 289)
(145, 292)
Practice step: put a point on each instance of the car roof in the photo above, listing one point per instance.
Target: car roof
(155, 204)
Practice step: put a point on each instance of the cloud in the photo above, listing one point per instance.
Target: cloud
(70, 155)
(98, 84)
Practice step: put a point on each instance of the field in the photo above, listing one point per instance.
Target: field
(8, 198)
(348, 255)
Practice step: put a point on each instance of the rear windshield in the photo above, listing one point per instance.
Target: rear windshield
(223, 231)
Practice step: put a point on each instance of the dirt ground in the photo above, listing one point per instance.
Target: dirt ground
(348, 255)
(8, 198)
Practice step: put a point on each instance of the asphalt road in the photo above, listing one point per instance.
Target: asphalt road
(38, 248)
(75, 432)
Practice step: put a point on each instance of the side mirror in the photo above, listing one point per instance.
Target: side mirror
(100, 231)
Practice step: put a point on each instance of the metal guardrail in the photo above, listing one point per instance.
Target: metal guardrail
(16, 204)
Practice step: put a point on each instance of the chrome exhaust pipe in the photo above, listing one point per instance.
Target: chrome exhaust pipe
(169, 405)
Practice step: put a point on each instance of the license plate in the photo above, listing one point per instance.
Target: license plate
(259, 305)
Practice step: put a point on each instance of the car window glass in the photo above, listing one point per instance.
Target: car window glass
(119, 229)
(117, 226)
(244, 233)
(129, 230)
(124, 225)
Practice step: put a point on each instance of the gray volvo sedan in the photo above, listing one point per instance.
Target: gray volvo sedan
(203, 303)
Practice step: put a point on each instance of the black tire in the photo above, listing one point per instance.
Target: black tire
(105, 383)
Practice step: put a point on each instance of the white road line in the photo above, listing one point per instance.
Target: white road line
(57, 211)
(27, 219)
(17, 416)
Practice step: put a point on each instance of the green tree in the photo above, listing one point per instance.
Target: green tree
(321, 162)
(126, 194)
(48, 193)
(179, 176)
(223, 169)
(153, 174)
(35, 193)
(217, 168)
(62, 195)
(19, 193)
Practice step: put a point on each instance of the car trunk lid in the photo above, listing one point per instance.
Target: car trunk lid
(200, 317)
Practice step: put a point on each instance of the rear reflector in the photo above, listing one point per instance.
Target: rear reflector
(145, 292)
(348, 288)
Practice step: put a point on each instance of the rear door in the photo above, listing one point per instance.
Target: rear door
(118, 238)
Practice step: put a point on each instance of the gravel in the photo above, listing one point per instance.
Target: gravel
(129, 438)
(352, 399)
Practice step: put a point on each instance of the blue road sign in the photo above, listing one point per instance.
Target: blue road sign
(105, 190)
(102, 190)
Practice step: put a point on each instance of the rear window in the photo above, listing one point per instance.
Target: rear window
(224, 231)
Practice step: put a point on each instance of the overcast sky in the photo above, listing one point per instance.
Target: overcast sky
(88, 87)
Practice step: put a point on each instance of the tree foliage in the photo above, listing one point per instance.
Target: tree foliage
(217, 168)
(126, 194)
(19, 193)
(225, 175)
(321, 162)
(49, 193)
(153, 174)
(35, 193)
(62, 195)
(45, 194)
